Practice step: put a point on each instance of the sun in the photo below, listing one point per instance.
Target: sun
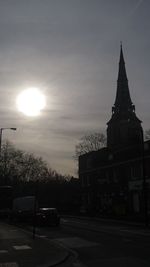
(31, 101)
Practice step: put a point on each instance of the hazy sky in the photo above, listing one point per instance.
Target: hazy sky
(70, 50)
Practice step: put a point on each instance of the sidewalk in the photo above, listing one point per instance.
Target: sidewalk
(18, 249)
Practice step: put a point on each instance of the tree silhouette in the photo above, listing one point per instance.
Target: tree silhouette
(91, 142)
(18, 165)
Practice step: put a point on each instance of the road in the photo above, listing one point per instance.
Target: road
(101, 244)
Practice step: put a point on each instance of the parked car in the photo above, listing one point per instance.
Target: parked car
(23, 209)
(48, 216)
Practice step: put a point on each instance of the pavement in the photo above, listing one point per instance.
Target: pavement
(19, 249)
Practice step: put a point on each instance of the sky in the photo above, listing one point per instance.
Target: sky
(69, 49)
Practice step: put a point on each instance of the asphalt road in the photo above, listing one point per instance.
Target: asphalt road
(98, 244)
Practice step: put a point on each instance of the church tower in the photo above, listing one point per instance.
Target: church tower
(124, 128)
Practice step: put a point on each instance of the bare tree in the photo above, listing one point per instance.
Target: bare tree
(18, 165)
(91, 142)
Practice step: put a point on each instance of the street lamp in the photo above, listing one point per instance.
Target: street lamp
(1, 131)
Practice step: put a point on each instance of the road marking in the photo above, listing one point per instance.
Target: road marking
(9, 264)
(42, 236)
(3, 251)
(76, 242)
(22, 247)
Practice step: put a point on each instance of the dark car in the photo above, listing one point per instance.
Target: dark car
(48, 216)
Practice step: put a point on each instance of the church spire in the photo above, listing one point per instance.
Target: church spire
(124, 128)
(123, 101)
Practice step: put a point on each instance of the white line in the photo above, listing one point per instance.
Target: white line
(3, 251)
(22, 247)
(42, 236)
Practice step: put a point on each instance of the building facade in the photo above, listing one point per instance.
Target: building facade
(115, 179)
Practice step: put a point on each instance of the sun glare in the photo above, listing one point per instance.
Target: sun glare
(31, 101)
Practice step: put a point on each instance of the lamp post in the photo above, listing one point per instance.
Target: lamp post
(1, 131)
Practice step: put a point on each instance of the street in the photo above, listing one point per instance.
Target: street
(100, 244)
